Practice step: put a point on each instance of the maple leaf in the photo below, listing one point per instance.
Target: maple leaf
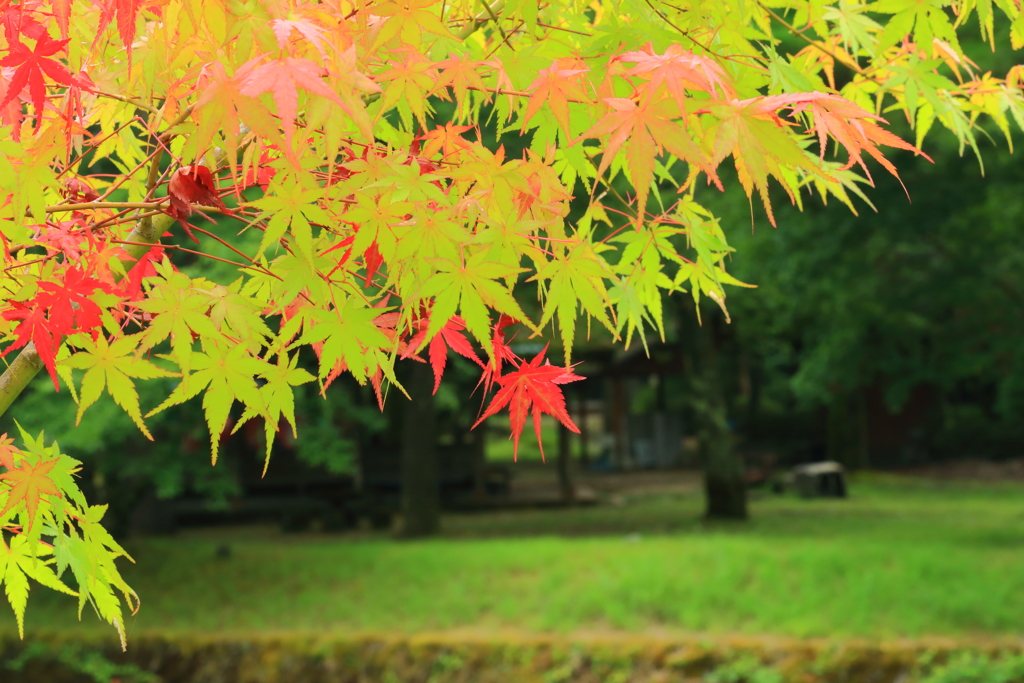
(11, 113)
(447, 139)
(32, 64)
(460, 74)
(62, 13)
(189, 185)
(126, 12)
(556, 86)
(283, 29)
(850, 125)
(57, 310)
(501, 352)
(112, 367)
(18, 21)
(408, 21)
(28, 485)
(448, 337)
(677, 69)
(282, 78)
(131, 286)
(532, 388)
(411, 79)
(7, 451)
(226, 374)
(372, 261)
(221, 106)
(649, 128)
(65, 237)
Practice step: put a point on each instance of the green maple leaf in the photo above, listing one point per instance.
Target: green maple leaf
(470, 289)
(177, 313)
(112, 367)
(291, 205)
(238, 315)
(575, 278)
(349, 335)
(278, 397)
(227, 374)
(19, 561)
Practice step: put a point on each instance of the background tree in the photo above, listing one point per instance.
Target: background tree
(351, 229)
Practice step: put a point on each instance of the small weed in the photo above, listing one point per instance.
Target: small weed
(746, 669)
(970, 667)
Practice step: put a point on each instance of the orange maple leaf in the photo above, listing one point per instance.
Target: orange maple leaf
(556, 86)
(678, 69)
(446, 139)
(460, 74)
(649, 128)
(28, 485)
(850, 125)
(7, 451)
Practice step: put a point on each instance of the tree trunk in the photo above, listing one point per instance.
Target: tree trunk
(565, 487)
(724, 486)
(420, 504)
(584, 433)
(479, 461)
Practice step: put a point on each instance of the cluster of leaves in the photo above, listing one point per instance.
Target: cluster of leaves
(381, 237)
(48, 529)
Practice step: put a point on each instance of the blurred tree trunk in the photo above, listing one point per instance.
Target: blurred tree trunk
(479, 460)
(565, 486)
(847, 429)
(584, 432)
(725, 489)
(421, 502)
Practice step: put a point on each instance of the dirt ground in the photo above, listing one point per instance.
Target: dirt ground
(537, 482)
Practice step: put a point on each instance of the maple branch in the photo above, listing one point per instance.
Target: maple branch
(497, 24)
(61, 208)
(142, 238)
(149, 245)
(18, 374)
(128, 100)
(482, 18)
(799, 33)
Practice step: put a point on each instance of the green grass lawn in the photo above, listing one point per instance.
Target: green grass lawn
(901, 557)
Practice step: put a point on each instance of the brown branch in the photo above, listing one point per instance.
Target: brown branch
(799, 33)
(87, 206)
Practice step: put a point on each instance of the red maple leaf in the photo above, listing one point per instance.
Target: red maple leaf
(10, 114)
(532, 388)
(449, 337)
(18, 21)
(372, 261)
(65, 237)
(261, 173)
(58, 309)
(131, 285)
(32, 64)
(192, 185)
(126, 12)
(501, 352)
